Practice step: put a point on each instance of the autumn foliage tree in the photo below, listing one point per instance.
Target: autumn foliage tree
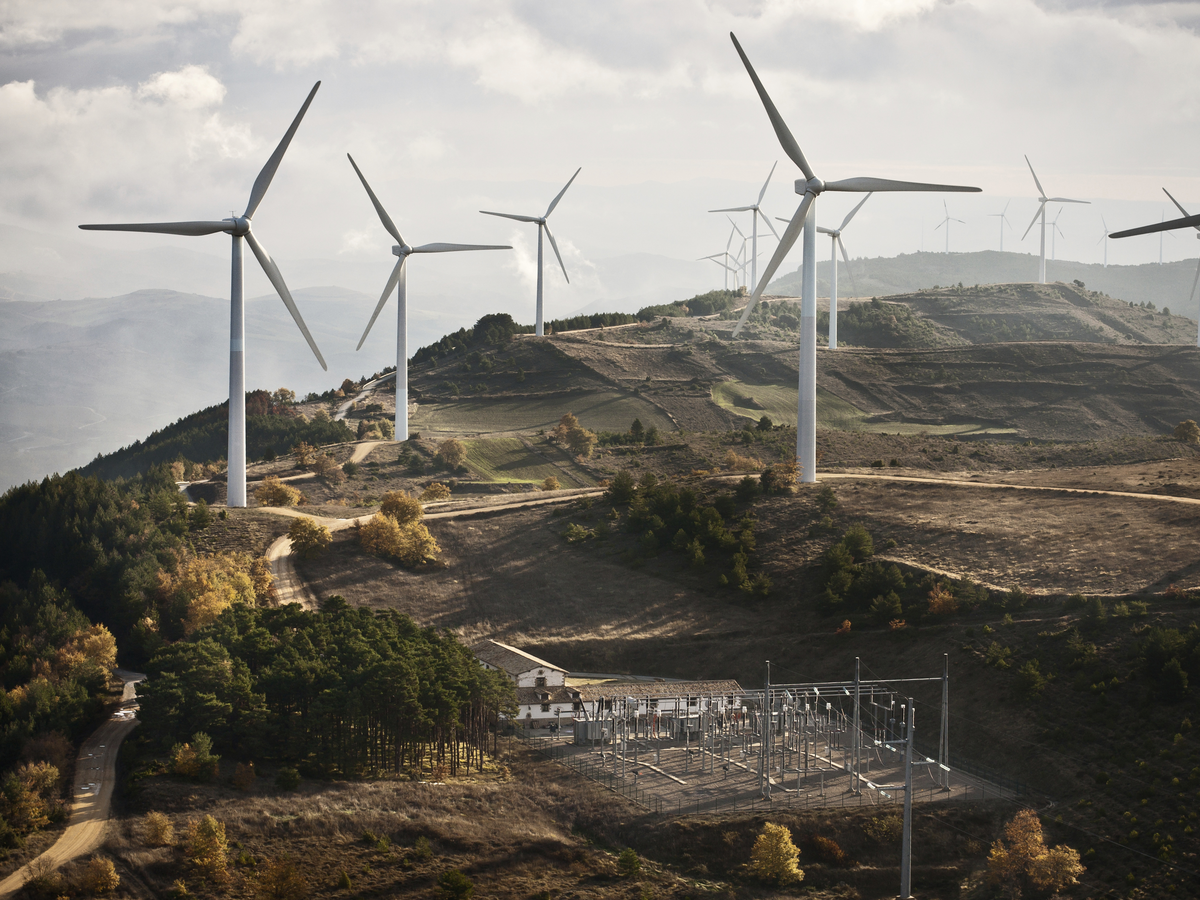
(451, 453)
(1026, 861)
(570, 434)
(397, 533)
(309, 538)
(273, 492)
(207, 849)
(203, 587)
(774, 855)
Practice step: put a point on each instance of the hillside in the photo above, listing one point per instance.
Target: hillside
(1165, 285)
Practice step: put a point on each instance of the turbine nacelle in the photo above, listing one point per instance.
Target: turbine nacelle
(401, 250)
(239, 226)
(812, 185)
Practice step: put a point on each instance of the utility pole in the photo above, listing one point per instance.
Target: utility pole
(768, 709)
(855, 739)
(906, 849)
(944, 743)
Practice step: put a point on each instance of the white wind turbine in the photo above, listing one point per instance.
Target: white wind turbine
(542, 225)
(1105, 238)
(1042, 213)
(1003, 221)
(1171, 225)
(836, 241)
(755, 212)
(1179, 206)
(805, 218)
(398, 280)
(946, 221)
(719, 259)
(239, 228)
(1055, 231)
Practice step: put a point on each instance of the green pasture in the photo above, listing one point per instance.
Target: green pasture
(509, 461)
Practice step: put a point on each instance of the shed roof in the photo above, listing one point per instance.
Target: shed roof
(657, 690)
(510, 659)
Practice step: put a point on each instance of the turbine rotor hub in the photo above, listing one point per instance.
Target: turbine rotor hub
(401, 250)
(241, 226)
(812, 186)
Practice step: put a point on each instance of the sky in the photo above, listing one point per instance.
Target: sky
(159, 110)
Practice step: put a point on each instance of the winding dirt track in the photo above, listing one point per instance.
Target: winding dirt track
(95, 777)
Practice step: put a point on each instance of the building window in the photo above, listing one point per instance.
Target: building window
(545, 707)
(691, 703)
(540, 681)
(577, 705)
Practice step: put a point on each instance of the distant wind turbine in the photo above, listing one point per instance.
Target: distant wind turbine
(1105, 239)
(755, 213)
(1171, 225)
(836, 241)
(946, 221)
(542, 225)
(719, 259)
(805, 219)
(1042, 213)
(1054, 232)
(1003, 221)
(398, 280)
(239, 228)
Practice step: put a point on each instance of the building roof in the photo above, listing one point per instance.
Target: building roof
(657, 690)
(531, 696)
(510, 659)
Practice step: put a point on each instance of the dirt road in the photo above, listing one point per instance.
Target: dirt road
(95, 777)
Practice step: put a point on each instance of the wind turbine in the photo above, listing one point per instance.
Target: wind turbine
(946, 221)
(1003, 221)
(836, 241)
(1105, 238)
(1055, 231)
(805, 219)
(719, 259)
(756, 212)
(1042, 213)
(239, 228)
(1171, 225)
(542, 225)
(399, 280)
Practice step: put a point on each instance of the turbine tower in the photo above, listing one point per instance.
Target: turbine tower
(836, 241)
(398, 280)
(946, 221)
(1042, 214)
(1003, 221)
(805, 219)
(239, 228)
(1170, 225)
(756, 212)
(1055, 231)
(1105, 239)
(542, 225)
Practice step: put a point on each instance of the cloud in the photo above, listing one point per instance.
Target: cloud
(188, 88)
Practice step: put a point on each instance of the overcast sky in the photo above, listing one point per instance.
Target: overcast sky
(152, 110)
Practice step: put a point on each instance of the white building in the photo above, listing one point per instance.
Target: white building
(542, 695)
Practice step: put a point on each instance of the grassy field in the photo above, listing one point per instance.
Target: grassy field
(598, 410)
(756, 400)
(508, 460)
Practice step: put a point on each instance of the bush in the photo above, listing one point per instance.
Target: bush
(1187, 431)
(628, 863)
(309, 538)
(885, 829)
(454, 885)
(829, 851)
(1030, 680)
(273, 492)
(195, 760)
(287, 779)
(451, 453)
(774, 856)
(1026, 860)
(327, 470)
(551, 484)
(157, 830)
(279, 880)
(344, 882)
(100, 876)
(410, 544)
(941, 601)
(207, 849)
(576, 533)
(434, 492)
(402, 508)
(422, 849)
(244, 776)
(735, 462)
(622, 489)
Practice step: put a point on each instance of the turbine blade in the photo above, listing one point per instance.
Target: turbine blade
(1178, 205)
(850, 215)
(192, 229)
(451, 248)
(383, 216)
(268, 171)
(510, 216)
(272, 271)
(790, 147)
(554, 202)
(735, 228)
(1035, 218)
(823, 230)
(1003, 211)
(1067, 200)
(392, 281)
(1195, 281)
(1041, 190)
(940, 224)
(849, 271)
(733, 209)
(855, 185)
(790, 234)
(1169, 225)
(763, 192)
(554, 245)
(732, 231)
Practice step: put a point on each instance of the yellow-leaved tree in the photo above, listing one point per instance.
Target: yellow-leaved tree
(397, 533)
(207, 849)
(203, 587)
(400, 506)
(309, 538)
(1026, 860)
(89, 656)
(273, 492)
(774, 855)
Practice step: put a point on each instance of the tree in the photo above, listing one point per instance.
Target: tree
(434, 492)
(401, 507)
(1027, 861)
(765, 424)
(451, 453)
(574, 436)
(280, 881)
(327, 469)
(410, 544)
(207, 849)
(637, 431)
(100, 876)
(774, 855)
(1030, 680)
(941, 601)
(157, 830)
(309, 537)
(622, 488)
(628, 862)
(780, 478)
(550, 484)
(1188, 432)
(273, 492)
(304, 452)
(284, 396)
(454, 885)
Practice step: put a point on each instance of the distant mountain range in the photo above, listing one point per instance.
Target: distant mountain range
(1166, 285)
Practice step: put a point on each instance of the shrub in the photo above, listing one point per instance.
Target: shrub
(1026, 860)
(884, 829)
(1030, 680)
(243, 776)
(735, 462)
(434, 492)
(344, 882)
(100, 876)
(273, 492)
(781, 477)
(196, 759)
(774, 856)
(422, 849)
(207, 849)
(858, 541)
(551, 484)
(327, 470)
(279, 880)
(304, 453)
(157, 830)
(454, 885)
(309, 538)
(829, 851)
(1187, 431)
(401, 507)
(845, 627)
(941, 601)
(451, 453)
(628, 863)
(576, 533)
(622, 489)
(287, 779)
(409, 544)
